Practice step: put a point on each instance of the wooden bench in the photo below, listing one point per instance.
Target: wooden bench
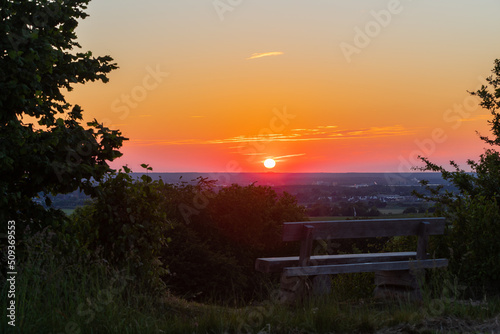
(395, 270)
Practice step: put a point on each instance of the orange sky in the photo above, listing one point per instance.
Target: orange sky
(321, 86)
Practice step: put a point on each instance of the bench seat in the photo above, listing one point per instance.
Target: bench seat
(364, 267)
(277, 264)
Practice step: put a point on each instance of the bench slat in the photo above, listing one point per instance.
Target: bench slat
(277, 264)
(363, 267)
(371, 228)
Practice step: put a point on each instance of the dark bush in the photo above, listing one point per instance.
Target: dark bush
(128, 224)
(212, 254)
(410, 210)
(472, 244)
(473, 211)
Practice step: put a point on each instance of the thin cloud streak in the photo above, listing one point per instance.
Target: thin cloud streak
(284, 157)
(265, 54)
(320, 133)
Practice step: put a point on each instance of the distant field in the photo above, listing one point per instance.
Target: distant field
(384, 216)
(401, 215)
(392, 210)
(386, 213)
(68, 211)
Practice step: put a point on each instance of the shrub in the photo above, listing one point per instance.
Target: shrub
(127, 222)
(409, 210)
(471, 243)
(214, 237)
(474, 212)
(214, 251)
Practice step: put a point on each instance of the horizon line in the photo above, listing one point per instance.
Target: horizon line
(270, 172)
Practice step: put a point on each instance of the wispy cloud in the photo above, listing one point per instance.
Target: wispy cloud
(319, 133)
(253, 154)
(265, 54)
(285, 157)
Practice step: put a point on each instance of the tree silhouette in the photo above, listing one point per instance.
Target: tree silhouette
(474, 212)
(44, 148)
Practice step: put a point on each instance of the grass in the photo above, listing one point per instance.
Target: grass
(54, 296)
(56, 293)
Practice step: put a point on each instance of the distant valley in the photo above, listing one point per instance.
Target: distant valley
(323, 194)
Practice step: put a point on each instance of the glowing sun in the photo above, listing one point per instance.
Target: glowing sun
(269, 163)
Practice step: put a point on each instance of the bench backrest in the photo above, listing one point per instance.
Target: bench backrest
(370, 228)
(307, 232)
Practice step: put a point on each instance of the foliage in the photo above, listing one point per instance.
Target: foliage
(410, 209)
(44, 148)
(472, 241)
(252, 216)
(353, 286)
(211, 234)
(223, 237)
(127, 223)
(59, 291)
(473, 212)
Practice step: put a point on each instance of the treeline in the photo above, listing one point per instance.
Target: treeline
(345, 209)
(361, 209)
(194, 240)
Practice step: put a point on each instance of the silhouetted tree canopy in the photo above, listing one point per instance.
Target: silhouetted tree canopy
(44, 147)
(474, 212)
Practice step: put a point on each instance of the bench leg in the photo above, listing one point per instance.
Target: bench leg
(293, 289)
(398, 284)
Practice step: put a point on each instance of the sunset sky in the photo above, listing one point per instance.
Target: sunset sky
(319, 86)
